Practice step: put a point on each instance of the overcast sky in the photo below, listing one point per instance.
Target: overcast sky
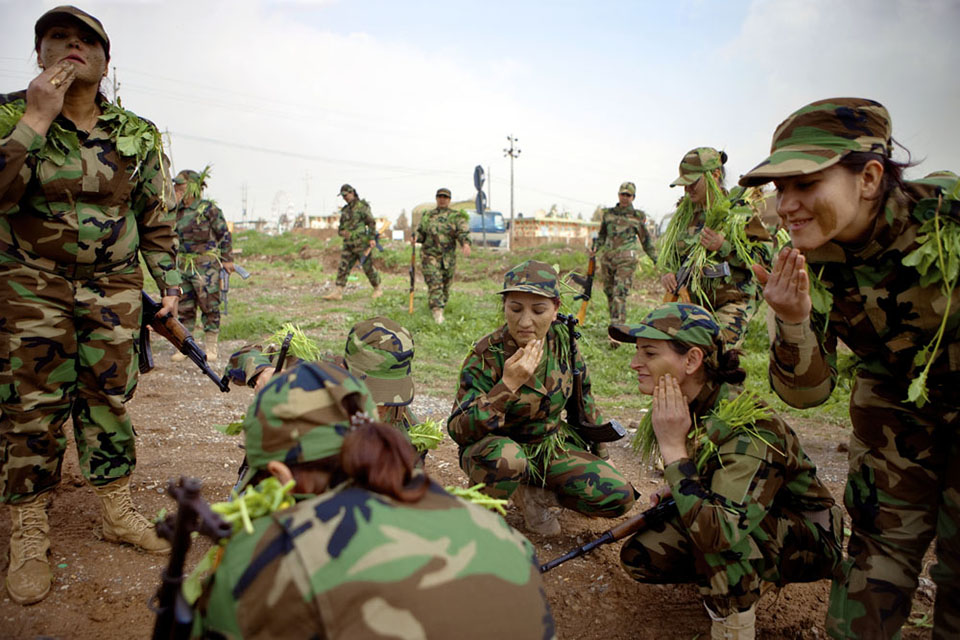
(293, 98)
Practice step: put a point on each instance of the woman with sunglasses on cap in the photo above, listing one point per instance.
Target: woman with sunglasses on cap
(84, 194)
(508, 414)
(372, 547)
(870, 265)
(731, 294)
(749, 505)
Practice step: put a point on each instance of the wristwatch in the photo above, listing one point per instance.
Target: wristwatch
(172, 291)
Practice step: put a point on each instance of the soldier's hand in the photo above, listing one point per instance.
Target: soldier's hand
(228, 266)
(662, 493)
(373, 243)
(787, 288)
(262, 379)
(466, 251)
(711, 239)
(671, 419)
(669, 281)
(520, 366)
(168, 304)
(45, 95)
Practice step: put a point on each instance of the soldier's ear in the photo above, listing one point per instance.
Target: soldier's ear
(280, 471)
(692, 360)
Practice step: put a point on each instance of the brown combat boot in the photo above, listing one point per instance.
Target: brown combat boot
(210, 343)
(123, 523)
(377, 292)
(336, 294)
(535, 503)
(438, 315)
(29, 576)
(736, 626)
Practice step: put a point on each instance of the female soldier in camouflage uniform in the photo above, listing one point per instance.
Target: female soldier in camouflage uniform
(856, 225)
(733, 298)
(751, 507)
(76, 213)
(514, 386)
(358, 228)
(375, 549)
(439, 232)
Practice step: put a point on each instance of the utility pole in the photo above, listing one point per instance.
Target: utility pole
(513, 152)
(306, 195)
(243, 199)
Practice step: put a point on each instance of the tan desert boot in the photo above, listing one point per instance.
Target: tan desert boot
(377, 292)
(178, 357)
(535, 503)
(123, 523)
(29, 576)
(438, 315)
(336, 294)
(210, 344)
(736, 626)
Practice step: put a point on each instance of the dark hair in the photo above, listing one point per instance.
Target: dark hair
(855, 161)
(728, 369)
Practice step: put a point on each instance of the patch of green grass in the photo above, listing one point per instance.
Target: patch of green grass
(289, 243)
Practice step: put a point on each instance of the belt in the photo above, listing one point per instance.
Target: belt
(79, 271)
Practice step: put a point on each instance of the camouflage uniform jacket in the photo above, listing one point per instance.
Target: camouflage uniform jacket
(251, 359)
(203, 229)
(440, 230)
(740, 285)
(72, 205)
(351, 563)
(621, 228)
(357, 226)
(747, 479)
(879, 311)
(485, 405)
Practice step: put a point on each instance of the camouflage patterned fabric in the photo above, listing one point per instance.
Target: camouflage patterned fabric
(491, 423)
(532, 276)
(75, 215)
(352, 563)
(903, 486)
(818, 135)
(380, 352)
(697, 162)
(623, 231)
(357, 228)
(205, 242)
(734, 298)
(757, 512)
(687, 324)
(439, 232)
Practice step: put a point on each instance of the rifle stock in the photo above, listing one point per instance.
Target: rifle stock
(654, 515)
(413, 268)
(587, 284)
(176, 334)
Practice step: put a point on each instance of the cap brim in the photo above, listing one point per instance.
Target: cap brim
(526, 289)
(683, 181)
(791, 161)
(395, 392)
(630, 332)
(50, 18)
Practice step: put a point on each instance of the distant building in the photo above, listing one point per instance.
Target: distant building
(540, 230)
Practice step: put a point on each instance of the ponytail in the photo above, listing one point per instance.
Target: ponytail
(380, 458)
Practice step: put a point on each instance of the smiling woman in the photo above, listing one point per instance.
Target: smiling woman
(83, 195)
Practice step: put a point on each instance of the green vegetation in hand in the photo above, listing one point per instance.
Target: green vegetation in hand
(474, 495)
(426, 436)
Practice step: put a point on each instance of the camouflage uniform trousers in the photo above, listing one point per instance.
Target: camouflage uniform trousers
(438, 274)
(903, 488)
(733, 318)
(787, 547)
(616, 272)
(67, 350)
(582, 481)
(348, 258)
(201, 288)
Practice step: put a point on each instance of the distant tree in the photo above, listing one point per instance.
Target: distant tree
(553, 211)
(597, 214)
(401, 224)
(579, 215)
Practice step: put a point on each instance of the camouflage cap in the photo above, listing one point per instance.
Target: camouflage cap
(688, 324)
(943, 180)
(379, 352)
(346, 189)
(70, 12)
(697, 162)
(187, 176)
(818, 135)
(443, 191)
(532, 277)
(628, 187)
(300, 416)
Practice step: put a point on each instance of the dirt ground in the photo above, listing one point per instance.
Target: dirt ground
(102, 590)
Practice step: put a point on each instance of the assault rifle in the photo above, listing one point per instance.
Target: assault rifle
(366, 254)
(654, 515)
(576, 410)
(174, 614)
(682, 292)
(225, 283)
(586, 283)
(413, 267)
(173, 330)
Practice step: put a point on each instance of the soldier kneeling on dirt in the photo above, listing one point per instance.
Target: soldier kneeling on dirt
(750, 507)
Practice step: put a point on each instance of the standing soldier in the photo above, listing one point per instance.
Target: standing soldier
(359, 232)
(621, 229)
(205, 246)
(439, 231)
(78, 210)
